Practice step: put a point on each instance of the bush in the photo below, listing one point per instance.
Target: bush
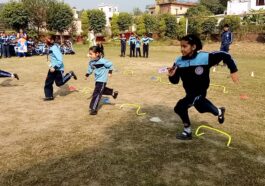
(233, 21)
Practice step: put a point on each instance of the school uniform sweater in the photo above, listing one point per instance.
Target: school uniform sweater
(194, 71)
(101, 68)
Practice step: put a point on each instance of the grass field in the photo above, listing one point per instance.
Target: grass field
(58, 143)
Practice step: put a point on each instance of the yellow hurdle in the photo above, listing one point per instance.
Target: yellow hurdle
(225, 91)
(136, 106)
(159, 79)
(217, 130)
(128, 72)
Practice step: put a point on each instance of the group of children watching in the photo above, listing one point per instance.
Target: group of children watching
(11, 44)
(135, 44)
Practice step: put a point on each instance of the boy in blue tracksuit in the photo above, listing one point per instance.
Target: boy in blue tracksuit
(132, 43)
(227, 39)
(146, 40)
(102, 68)
(138, 47)
(123, 45)
(56, 70)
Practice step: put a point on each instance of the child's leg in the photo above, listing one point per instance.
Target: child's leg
(97, 94)
(144, 50)
(182, 110)
(61, 79)
(140, 52)
(108, 91)
(147, 51)
(203, 105)
(48, 88)
(5, 74)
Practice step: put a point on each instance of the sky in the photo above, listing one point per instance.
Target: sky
(123, 5)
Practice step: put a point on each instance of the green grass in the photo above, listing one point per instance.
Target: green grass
(58, 143)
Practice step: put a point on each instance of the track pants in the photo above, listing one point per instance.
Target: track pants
(4, 74)
(100, 89)
(138, 52)
(59, 80)
(202, 105)
(123, 49)
(132, 50)
(146, 50)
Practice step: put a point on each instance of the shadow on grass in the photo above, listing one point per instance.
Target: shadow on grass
(7, 83)
(63, 91)
(139, 152)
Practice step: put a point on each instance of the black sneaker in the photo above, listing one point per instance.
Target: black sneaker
(16, 76)
(73, 75)
(48, 99)
(115, 95)
(221, 118)
(93, 112)
(184, 136)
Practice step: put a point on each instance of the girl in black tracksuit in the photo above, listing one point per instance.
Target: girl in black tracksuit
(193, 68)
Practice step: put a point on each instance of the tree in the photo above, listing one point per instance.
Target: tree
(181, 28)
(125, 20)
(214, 6)
(161, 25)
(97, 20)
(209, 26)
(171, 25)
(85, 22)
(151, 23)
(37, 13)
(140, 26)
(197, 15)
(114, 25)
(233, 21)
(15, 15)
(59, 18)
(137, 12)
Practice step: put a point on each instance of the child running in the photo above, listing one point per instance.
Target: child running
(4, 74)
(56, 70)
(193, 68)
(102, 68)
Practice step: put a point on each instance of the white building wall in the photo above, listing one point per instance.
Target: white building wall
(109, 12)
(236, 7)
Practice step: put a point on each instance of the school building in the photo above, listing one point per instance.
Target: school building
(237, 7)
(173, 7)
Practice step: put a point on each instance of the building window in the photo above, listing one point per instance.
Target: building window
(109, 9)
(176, 11)
(181, 8)
(260, 2)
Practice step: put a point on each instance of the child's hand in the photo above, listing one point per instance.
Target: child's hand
(171, 71)
(52, 69)
(234, 77)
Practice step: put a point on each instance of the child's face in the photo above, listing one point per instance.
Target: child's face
(186, 48)
(92, 55)
(226, 28)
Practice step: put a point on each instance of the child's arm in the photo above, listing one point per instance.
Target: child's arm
(173, 74)
(216, 57)
(89, 70)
